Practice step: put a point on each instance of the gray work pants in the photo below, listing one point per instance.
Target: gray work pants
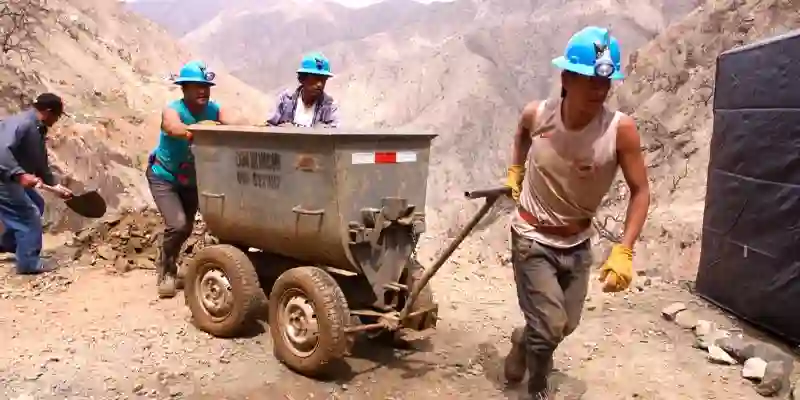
(551, 287)
(178, 206)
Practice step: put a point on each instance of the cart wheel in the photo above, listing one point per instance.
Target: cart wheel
(308, 314)
(222, 290)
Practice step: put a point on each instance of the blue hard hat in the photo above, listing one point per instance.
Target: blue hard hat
(592, 52)
(195, 72)
(315, 64)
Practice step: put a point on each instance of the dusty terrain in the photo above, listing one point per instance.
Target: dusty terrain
(95, 330)
(84, 343)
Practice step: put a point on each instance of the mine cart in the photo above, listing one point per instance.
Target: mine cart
(335, 216)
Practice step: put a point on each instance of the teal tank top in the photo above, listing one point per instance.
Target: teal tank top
(172, 160)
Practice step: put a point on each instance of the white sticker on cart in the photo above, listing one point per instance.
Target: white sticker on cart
(384, 157)
(406, 156)
(363, 158)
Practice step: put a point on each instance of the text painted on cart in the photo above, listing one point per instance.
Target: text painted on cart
(253, 168)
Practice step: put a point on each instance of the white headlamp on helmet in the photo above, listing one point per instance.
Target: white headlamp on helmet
(603, 64)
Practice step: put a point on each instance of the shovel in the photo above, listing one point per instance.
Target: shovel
(88, 204)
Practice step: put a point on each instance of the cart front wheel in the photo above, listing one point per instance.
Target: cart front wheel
(222, 290)
(308, 314)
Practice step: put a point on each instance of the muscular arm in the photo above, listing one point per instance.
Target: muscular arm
(225, 117)
(172, 125)
(631, 162)
(522, 138)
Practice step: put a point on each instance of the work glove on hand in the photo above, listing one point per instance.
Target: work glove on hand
(514, 181)
(617, 272)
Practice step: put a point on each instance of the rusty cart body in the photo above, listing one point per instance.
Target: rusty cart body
(335, 214)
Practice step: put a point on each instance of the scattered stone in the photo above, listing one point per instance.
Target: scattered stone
(686, 319)
(122, 265)
(703, 327)
(719, 356)
(737, 346)
(703, 341)
(754, 368)
(672, 310)
(742, 349)
(776, 377)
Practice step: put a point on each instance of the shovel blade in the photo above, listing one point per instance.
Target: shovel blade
(89, 204)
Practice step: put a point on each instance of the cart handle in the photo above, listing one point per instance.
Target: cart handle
(488, 193)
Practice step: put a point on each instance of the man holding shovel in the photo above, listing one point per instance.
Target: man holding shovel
(567, 152)
(24, 166)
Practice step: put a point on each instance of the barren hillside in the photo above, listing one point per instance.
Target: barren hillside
(462, 69)
(93, 328)
(669, 91)
(111, 67)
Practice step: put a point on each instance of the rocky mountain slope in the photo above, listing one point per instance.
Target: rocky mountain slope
(112, 68)
(466, 68)
(462, 69)
(669, 91)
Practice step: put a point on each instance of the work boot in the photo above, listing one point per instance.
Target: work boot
(515, 362)
(167, 287)
(541, 395)
(45, 265)
(540, 366)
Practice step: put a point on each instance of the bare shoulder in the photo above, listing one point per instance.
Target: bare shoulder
(627, 135)
(528, 116)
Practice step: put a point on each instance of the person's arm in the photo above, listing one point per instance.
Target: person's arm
(172, 125)
(522, 138)
(276, 115)
(225, 117)
(45, 170)
(631, 161)
(333, 116)
(10, 136)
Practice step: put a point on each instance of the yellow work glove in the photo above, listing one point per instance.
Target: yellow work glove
(514, 180)
(617, 272)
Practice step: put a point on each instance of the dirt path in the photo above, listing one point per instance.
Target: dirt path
(84, 333)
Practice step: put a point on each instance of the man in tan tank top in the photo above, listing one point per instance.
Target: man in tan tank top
(567, 152)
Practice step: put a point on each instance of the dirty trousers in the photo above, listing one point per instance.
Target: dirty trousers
(21, 212)
(551, 288)
(178, 206)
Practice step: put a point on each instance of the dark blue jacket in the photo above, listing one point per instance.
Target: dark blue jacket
(22, 147)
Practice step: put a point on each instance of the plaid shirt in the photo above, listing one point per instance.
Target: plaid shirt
(326, 112)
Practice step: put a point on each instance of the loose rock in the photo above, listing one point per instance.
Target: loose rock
(776, 377)
(754, 368)
(672, 310)
(686, 319)
(704, 327)
(719, 356)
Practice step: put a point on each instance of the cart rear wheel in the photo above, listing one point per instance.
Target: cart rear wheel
(222, 290)
(308, 314)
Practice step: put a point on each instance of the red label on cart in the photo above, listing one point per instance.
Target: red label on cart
(384, 157)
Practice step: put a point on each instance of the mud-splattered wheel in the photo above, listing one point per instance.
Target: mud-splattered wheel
(222, 290)
(308, 314)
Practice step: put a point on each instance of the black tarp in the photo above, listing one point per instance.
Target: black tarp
(750, 255)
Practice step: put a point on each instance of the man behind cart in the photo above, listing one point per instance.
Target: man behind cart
(308, 104)
(23, 167)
